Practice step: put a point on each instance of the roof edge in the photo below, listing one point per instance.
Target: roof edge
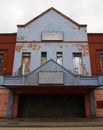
(52, 8)
(8, 33)
(95, 33)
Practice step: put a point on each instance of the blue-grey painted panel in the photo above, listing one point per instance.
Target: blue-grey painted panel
(1, 80)
(10, 104)
(51, 77)
(88, 80)
(51, 66)
(12, 80)
(74, 40)
(101, 79)
(92, 104)
(69, 78)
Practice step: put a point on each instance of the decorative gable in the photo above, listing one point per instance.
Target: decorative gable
(50, 21)
(45, 12)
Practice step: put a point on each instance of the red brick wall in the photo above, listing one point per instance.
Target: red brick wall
(99, 102)
(4, 94)
(7, 44)
(95, 46)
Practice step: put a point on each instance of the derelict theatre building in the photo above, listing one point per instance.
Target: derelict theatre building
(50, 74)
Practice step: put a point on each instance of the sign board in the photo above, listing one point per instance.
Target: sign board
(50, 77)
(100, 104)
(52, 36)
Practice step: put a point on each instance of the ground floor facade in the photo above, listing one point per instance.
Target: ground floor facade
(51, 91)
(50, 102)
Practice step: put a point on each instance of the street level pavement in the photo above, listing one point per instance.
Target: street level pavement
(53, 128)
(52, 124)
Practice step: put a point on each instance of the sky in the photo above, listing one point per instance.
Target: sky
(14, 12)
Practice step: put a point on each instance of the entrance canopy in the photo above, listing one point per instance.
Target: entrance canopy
(51, 75)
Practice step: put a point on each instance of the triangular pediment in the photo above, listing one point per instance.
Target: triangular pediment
(50, 23)
(51, 67)
(47, 11)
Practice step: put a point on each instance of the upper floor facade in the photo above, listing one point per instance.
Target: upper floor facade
(51, 35)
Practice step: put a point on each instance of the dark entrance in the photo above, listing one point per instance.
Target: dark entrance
(51, 106)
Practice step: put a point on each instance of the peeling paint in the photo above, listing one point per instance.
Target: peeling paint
(39, 46)
(22, 47)
(34, 46)
(19, 48)
(84, 70)
(83, 48)
(60, 46)
(15, 73)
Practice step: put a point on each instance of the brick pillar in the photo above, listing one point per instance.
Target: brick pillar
(15, 106)
(87, 106)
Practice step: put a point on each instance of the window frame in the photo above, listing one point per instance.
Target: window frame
(101, 61)
(76, 66)
(22, 64)
(43, 57)
(2, 55)
(59, 52)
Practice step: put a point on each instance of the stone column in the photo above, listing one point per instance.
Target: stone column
(92, 104)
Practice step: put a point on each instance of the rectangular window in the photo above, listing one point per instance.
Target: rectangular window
(59, 58)
(101, 61)
(26, 62)
(77, 62)
(1, 61)
(43, 57)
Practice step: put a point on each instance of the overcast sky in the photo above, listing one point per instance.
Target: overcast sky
(14, 12)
